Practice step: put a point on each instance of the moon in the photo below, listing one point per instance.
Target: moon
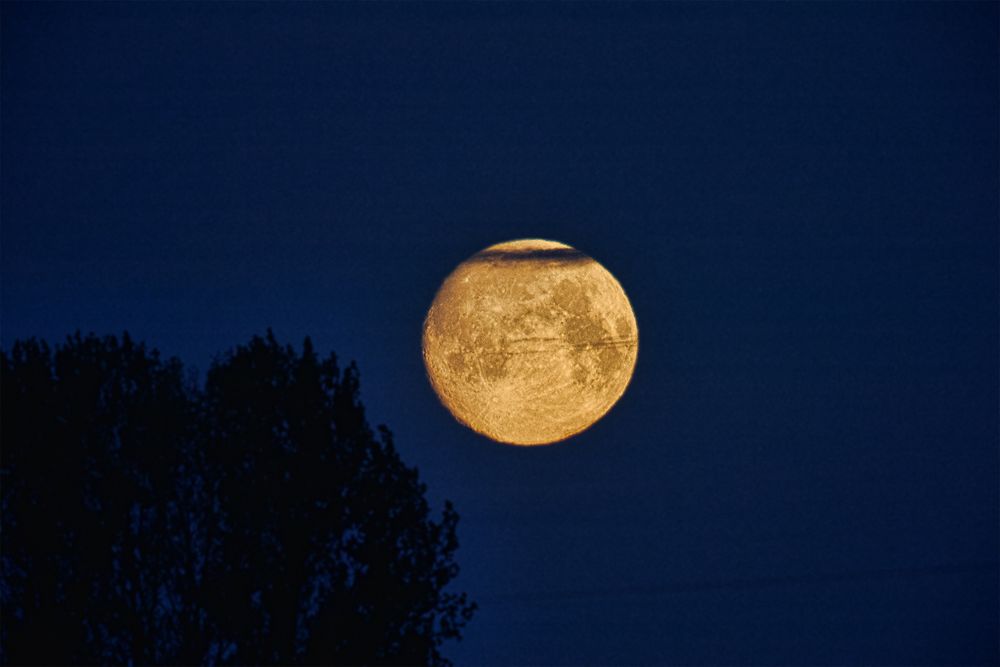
(529, 342)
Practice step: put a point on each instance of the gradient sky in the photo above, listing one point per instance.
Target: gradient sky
(800, 200)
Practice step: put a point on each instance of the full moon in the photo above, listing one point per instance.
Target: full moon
(529, 342)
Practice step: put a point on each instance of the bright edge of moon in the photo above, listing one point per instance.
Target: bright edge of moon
(529, 342)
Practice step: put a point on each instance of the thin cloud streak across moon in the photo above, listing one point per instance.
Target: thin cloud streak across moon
(529, 342)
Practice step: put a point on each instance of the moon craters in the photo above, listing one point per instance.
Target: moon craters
(529, 342)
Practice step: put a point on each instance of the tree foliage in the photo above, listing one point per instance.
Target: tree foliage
(254, 519)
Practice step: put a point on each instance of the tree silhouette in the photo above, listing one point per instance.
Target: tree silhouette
(257, 519)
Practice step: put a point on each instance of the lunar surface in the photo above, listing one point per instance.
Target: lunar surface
(529, 342)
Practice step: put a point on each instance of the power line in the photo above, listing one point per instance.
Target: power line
(745, 583)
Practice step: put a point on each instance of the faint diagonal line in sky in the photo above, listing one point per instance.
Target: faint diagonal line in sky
(749, 583)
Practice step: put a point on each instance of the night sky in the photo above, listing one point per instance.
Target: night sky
(800, 200)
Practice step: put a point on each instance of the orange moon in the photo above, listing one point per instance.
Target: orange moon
(529, 342)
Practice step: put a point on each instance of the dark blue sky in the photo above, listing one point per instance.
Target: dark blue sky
(800, 199)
